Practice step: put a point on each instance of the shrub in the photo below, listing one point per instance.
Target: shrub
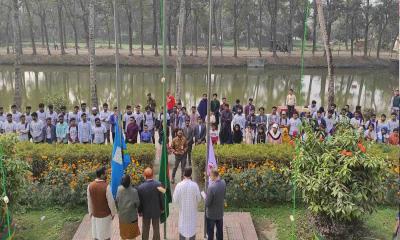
(241, 155)
(340, 179)
(40, 155)
(255, 185)
(57, 100)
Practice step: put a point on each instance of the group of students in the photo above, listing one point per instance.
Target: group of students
(147, 201)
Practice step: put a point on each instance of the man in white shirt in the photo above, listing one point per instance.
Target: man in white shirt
(94, 116)
(2, 115)
(291, 103)
(74, 115)
(22, 128)
(240, 119)
(28, 117)
(105, 120)
(139, 117)
(313, 107)
(82, 111)
(357, 121)
(393, 122)
(52, 114)
(149, 120)
(127, 116)
(294, 124)
(84, 130)
(187, 197)
(36, 129)
(15, 114)
(98, 132)
(330, 122)
(9, 126)
(41, 114)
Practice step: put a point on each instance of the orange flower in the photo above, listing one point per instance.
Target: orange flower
(291, 142)
(346, 153)
(361, 147)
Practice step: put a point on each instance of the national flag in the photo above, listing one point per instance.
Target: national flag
(164, 179)
(119, 161)
(212, 162)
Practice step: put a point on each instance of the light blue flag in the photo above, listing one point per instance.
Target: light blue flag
(119, 161)
(212, 162)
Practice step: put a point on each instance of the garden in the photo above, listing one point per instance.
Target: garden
(343, 188)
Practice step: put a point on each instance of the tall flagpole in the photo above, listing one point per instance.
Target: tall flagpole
(208, 142)
(117, 80)
(163, 80)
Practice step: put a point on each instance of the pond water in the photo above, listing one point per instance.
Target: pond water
(370, 88)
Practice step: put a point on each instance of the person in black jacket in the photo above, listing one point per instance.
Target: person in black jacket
(151, 205)
(237, 135)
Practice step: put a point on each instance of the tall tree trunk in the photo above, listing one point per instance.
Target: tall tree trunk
(314, 39)
(352, 36)
(259, 27)
(383, 27)
(322, 25)
(85, 21)
(119, 29)
(17, 54)
(214, 19)
(181, 24)
(46, 34)
(273, 27)
(60, 26)
(92, 53)
(141, 28)
(366, 29)
(64, 33)
(248, 32)
(108, 33)
(221, 31)
(30, 20)
(7, 32)
(235, 42)
(170, 3)
(155, 32)
(290, 34)
(129, 16)
(196, 37)
(71, 18)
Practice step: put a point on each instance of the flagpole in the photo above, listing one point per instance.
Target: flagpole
(208, 101)
(163, 80)
(117, 75)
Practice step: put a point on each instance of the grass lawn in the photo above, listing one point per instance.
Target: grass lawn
(272, 222)
(57, 223)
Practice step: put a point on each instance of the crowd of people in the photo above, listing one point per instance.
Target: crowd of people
(147, 201)
(229, 124)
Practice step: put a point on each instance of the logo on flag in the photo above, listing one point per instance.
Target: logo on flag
(118, 155)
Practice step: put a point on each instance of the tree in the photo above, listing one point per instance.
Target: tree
(30, 20)
(71, 15)
(383, 16)
(181, 25)
(42, 13)
(128, 12)
(141, 27)
(18, 55)
(60, 25)
(235, 16)
(314, 39)
(367, 22)
(155, 31)
(322, 27)
(92, 53)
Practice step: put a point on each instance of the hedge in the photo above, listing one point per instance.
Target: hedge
(237, 159)
(39, 155)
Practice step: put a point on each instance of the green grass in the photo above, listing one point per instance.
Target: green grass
(380, 224)
(57, 224)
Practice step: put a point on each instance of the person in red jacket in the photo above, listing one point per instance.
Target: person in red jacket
(170, 102)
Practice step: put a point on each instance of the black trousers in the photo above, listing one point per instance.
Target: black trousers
(210, 229)
(179, 159)
(290, 111)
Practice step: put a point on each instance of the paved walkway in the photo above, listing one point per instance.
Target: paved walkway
(237, 226)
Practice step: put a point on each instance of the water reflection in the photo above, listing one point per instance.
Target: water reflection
(369, 88)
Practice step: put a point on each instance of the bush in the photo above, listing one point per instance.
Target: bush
(255, 185)
(40, 155)
(57, 100)
(341, 180)
(241, 155)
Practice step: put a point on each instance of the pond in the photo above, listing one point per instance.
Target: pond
(370, 88)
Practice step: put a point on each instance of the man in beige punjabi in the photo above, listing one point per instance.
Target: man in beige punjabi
(101, 206)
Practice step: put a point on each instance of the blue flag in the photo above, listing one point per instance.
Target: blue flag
(119, 161)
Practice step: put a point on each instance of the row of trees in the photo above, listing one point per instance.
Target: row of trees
(271, 24)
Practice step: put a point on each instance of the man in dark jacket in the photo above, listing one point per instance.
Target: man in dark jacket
(49, 131)
(202, 108)
(188, 132)
(151, 205)
(215, 202)
(200, 132)
(215, 105)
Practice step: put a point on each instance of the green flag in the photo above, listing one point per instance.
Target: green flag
(164, 179)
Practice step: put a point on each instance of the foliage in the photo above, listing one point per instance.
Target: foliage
(241, 155)
(57, 100)
(15, 172)
(40, 155)
(340, 179)
(255, 185)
